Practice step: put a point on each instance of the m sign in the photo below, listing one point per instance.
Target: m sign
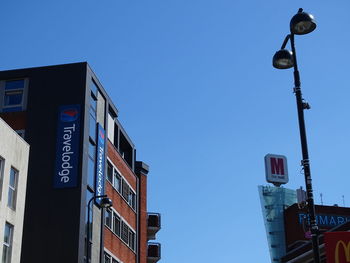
(276, 169)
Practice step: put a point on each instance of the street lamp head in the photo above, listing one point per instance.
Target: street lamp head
(283, 59)
(302, 23)
(106, 202)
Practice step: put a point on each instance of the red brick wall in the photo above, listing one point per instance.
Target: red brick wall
(16, 120)
(113, 243)
(143, 218)
(117, 247)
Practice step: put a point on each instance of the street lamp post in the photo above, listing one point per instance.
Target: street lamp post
(302, 23)
(105, 203)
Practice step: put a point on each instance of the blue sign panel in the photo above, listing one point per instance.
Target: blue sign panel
(100, 163)
(67, 147)
(326, 220)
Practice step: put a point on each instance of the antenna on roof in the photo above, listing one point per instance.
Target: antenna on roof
(321, 198)
(343, 200)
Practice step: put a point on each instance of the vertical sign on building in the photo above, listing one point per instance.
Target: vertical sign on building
(100, 163)
(276, 169)
(67, 147)
(337, 247)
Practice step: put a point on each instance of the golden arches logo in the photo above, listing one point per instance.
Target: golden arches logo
(346, 248)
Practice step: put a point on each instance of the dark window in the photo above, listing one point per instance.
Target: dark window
(89, 195)
(92, 150)
(13, 98)
(93, 87)
(125, 190)
(14, 84)
(12, 95)
(117, 181)
(115, 261)
(92, 127)
(125, 233)
(109, 172)
(131, 198)
(131, 240)
(108, 218)
(93, 104)
(7, 246)
(107, 258)
(116, 224)
(11, 201)
(2, 162)
(91, 173)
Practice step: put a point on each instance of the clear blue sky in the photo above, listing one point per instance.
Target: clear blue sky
(197, 94)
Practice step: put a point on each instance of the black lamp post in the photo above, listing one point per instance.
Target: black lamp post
(105, 203)
(302, 23)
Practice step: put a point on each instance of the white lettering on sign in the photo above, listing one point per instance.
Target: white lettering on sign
(66, 153)
(100, 171)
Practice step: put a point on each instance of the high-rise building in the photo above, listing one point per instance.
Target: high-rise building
(14, 154)
(274, 200)
(79, 151)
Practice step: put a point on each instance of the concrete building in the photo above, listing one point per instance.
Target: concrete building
(14, 154)
(79, 150)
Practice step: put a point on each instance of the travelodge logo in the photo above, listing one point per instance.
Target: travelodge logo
(69, 115)
(67, 146)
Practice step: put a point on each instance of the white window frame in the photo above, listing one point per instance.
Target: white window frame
(23, 104)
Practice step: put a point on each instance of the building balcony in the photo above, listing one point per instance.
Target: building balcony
(153, 252)
(153, 225)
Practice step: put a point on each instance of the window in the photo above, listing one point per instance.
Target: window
(116, 224)
(117, 180)
(108, 218)
(121, 185)
(7, 247)
(91, 173)
(92, 121)
(107, 258)
(125, 189)
(20, 133)
(131, 198)
(121, 229)
(109, 172)
(93, 87)
(12, 95)
(131, 239)
(11, 201)
(2, 163)
(125, 232)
